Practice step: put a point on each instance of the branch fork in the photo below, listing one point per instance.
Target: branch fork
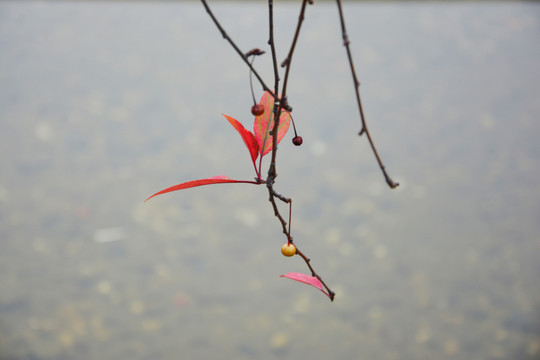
(277, 116)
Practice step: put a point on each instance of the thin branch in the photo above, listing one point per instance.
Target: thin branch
(287, 62)
(281, 197)
(287, 233)
(290, 222)
(272, 173)
(272, 200)
(313, 273)
(280, 103)
(364, 129)
(233, 44)
(273, 46)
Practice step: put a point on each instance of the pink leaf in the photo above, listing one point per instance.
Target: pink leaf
(265, 123)
(201, 182)
(247, 136)
(306, 279)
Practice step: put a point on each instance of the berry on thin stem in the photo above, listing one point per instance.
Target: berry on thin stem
(288, 249)
(297, 140)
(257, 109)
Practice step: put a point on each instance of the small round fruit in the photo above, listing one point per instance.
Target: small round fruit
(288, 249)
(257, 110)
(297, 140)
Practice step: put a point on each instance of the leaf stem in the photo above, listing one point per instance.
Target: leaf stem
(251, 81)
(289, 239)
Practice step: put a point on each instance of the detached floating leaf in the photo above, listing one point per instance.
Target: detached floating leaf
(306, 279)
(201, 182)
(265, 123)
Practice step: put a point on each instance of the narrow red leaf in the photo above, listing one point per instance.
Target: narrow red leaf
(201, 182)
(247, 136)
(306, 279)
(265, 123)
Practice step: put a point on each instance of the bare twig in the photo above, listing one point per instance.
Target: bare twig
(277, 107)
(233, 44)
(272, 200)
(364, 129)
(313, 273)
(280, 103)
(287, 62)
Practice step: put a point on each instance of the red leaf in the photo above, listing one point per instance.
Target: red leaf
(306, 279)
(201, 182)
(247, 136)
(265, 123)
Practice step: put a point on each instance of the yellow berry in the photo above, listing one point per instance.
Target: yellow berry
(288, 249)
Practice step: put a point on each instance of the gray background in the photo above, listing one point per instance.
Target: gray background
(102, 104)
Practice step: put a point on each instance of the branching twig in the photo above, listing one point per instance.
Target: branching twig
(272, 200)
(279, 104)
(364, 129)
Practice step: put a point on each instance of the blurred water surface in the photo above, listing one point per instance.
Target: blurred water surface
(102, 104)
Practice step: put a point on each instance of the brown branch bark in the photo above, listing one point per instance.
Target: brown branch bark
(280, 103)
(233, 44)
(364, 129)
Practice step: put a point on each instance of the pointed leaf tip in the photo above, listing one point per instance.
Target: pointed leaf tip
(307, 279)
(194, 183)
(247, 136)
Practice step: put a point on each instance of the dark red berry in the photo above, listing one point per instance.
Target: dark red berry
(297, 140)
(257, 110)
